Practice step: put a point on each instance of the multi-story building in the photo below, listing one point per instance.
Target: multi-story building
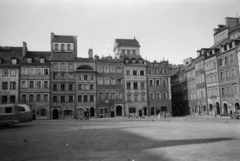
(9, 73)
(158, 87)
(200, 82)
(64, 54)
(34, 83)
(85, 83)
(110, 87)
(191, 87)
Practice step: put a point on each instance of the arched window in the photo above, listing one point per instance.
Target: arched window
(43, 112)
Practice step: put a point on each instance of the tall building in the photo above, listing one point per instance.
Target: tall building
(85, 86)
(158, 87)
(110, 87)
(10, 58)
(35, 83)
(64, 54)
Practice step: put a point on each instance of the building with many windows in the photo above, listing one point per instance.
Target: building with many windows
(64, 54)
(35, 83)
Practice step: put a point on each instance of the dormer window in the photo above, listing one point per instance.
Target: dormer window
(42, 60)
(56, 47)
(29, 60)
(68, 47)
(62, 47)
(14, 61)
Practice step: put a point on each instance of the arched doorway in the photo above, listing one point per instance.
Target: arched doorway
(145, 111)
(152, 111)
(92, 112)
(218, 108)
(237, 107)
(55, 114)
(225, 109)
(210, 107)
(119, 110)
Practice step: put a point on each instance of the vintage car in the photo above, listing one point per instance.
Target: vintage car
(25, 113)
(235, 115)
(9, 114)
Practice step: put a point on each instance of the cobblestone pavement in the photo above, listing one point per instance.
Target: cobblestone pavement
(146, 139)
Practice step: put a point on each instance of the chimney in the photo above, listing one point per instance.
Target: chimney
(231, 22)
(90, 53)
(24, 49)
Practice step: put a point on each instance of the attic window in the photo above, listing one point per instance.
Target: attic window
(29, 60)
(42, 60)
(14, 61)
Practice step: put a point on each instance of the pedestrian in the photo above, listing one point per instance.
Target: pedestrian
(159, 115)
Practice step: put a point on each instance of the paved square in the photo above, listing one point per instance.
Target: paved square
(185, 139)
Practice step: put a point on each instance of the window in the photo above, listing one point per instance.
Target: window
(79, 98)
(68, 47)
(228, 91)
(70, 66)
(133, 52)
(100, 81)
(120, 95)
(24, 71)
(70, 75)
(42, 60)
(100, 95)
(235, 89)
(85, 77)
(107, 96)
(128, 52)
(12, 99)
(43, 112)
(45, 71)
(91, 98)
(12, 85)
(38, 84)
(56, 47)
(79, 86)
(29, 60)
(70, 98)
(63, 66)
(112, 69)
(5, 73)
(63, 76)
(106, 70)
(38, 97)
(113, 81)
(55, 87)
(127, 72)
(14, 61)
(38, 71)
(12, 73)
(91, 77)
(128, 85)
(227, 74)
(226, 60)
(100, 69)
(31, 98)
(221, 75)
(31, 84)
(129, 97)
(70, 87)
(55, 75)
(143, 97)
(113, 96)
(165, 95)
(220, 62)
(45, 97)
(24, 84)
(151, 96)
(8, 110)
(55, 99)
(142, 85)
(24, 98)
(106, 81)
(62, 47)
(142, 72)
(231, 57)
(135, 85)
(119, 81)
(150, 82)
(4, 85)
(123, 52)
(4, 99)
(233, 72)
(31, 71)
(222, 90)
(164, 82)
(91, 87)
(85, 98)
(134, 72)
(135, 98)
(157, 82)
(45, 84)
(158, 95)
(62, 99)
(119, 70)
(62, 87)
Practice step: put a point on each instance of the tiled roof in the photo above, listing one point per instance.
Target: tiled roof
(85, 59)
(63, 56)
(7, 53)
(36, 55)
(127, 42)
(63, 38)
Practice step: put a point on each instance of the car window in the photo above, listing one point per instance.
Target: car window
(8, 110)
(21, 109)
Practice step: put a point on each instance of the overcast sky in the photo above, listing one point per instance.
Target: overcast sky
(169, 29)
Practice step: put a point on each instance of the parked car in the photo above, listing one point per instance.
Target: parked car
(25, 113)
(9, 114)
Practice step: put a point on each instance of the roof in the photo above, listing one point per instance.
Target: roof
(63, 38)
(63, 56)
(7, 53)
(219, 43)
(221, 29)
(36, 55)
(127, 42)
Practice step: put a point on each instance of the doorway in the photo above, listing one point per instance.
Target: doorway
(119, 111)
(140, 113)
(152, 111)
(145, 111)
(218, 108)
(112, 113)
(55, 114)
(225, 109)
(92, 112)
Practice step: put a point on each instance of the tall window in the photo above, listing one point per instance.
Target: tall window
(134, 72)
(123, 52)
(62, 98)
(55, 98)
(157, 82)
(70, 66)
(45, 84)
(112, 69)
(128, 85)
(151, 95)
(135, 85)
(151, 82)
(5, 72)
(24, 71)
(38, 97)
(12, 99)
(63, 66)
(91, 86)
(106, 81)
(14, 61)
(235, 89)
(45, 97)
(91, 98)
(62, 87)
(135, 98)
(100, 81)
(12, 73)
(142, 85)
(12, 85)
(143, 97)
(79, 98)
(56, 47)
(24, 98)
(31, 84)
(133, 52)
(55, 87)
(38, 84)
(127, 72)
(70, 87)
(31, 98)
(31, 71)
(45, 71)
(42, 60)
(106, 70)
(55, 66)
(85, 98)
(142, 72)
(29, 60)
(70, 98)
(79, 86)
(4, 99)
(62, 47)
(38, 71)
(24, 84)
(68, 47)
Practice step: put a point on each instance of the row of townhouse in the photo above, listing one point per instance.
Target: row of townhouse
(60, 85)
(209, 84)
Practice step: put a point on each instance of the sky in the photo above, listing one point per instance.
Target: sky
(170, 30)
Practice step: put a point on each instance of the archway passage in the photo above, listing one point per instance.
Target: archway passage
(145, 111)
(225, 109)
(92, 112)
(119, 111)
(55, 114)
(237, 107)
(152, 111)
(218, 108)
